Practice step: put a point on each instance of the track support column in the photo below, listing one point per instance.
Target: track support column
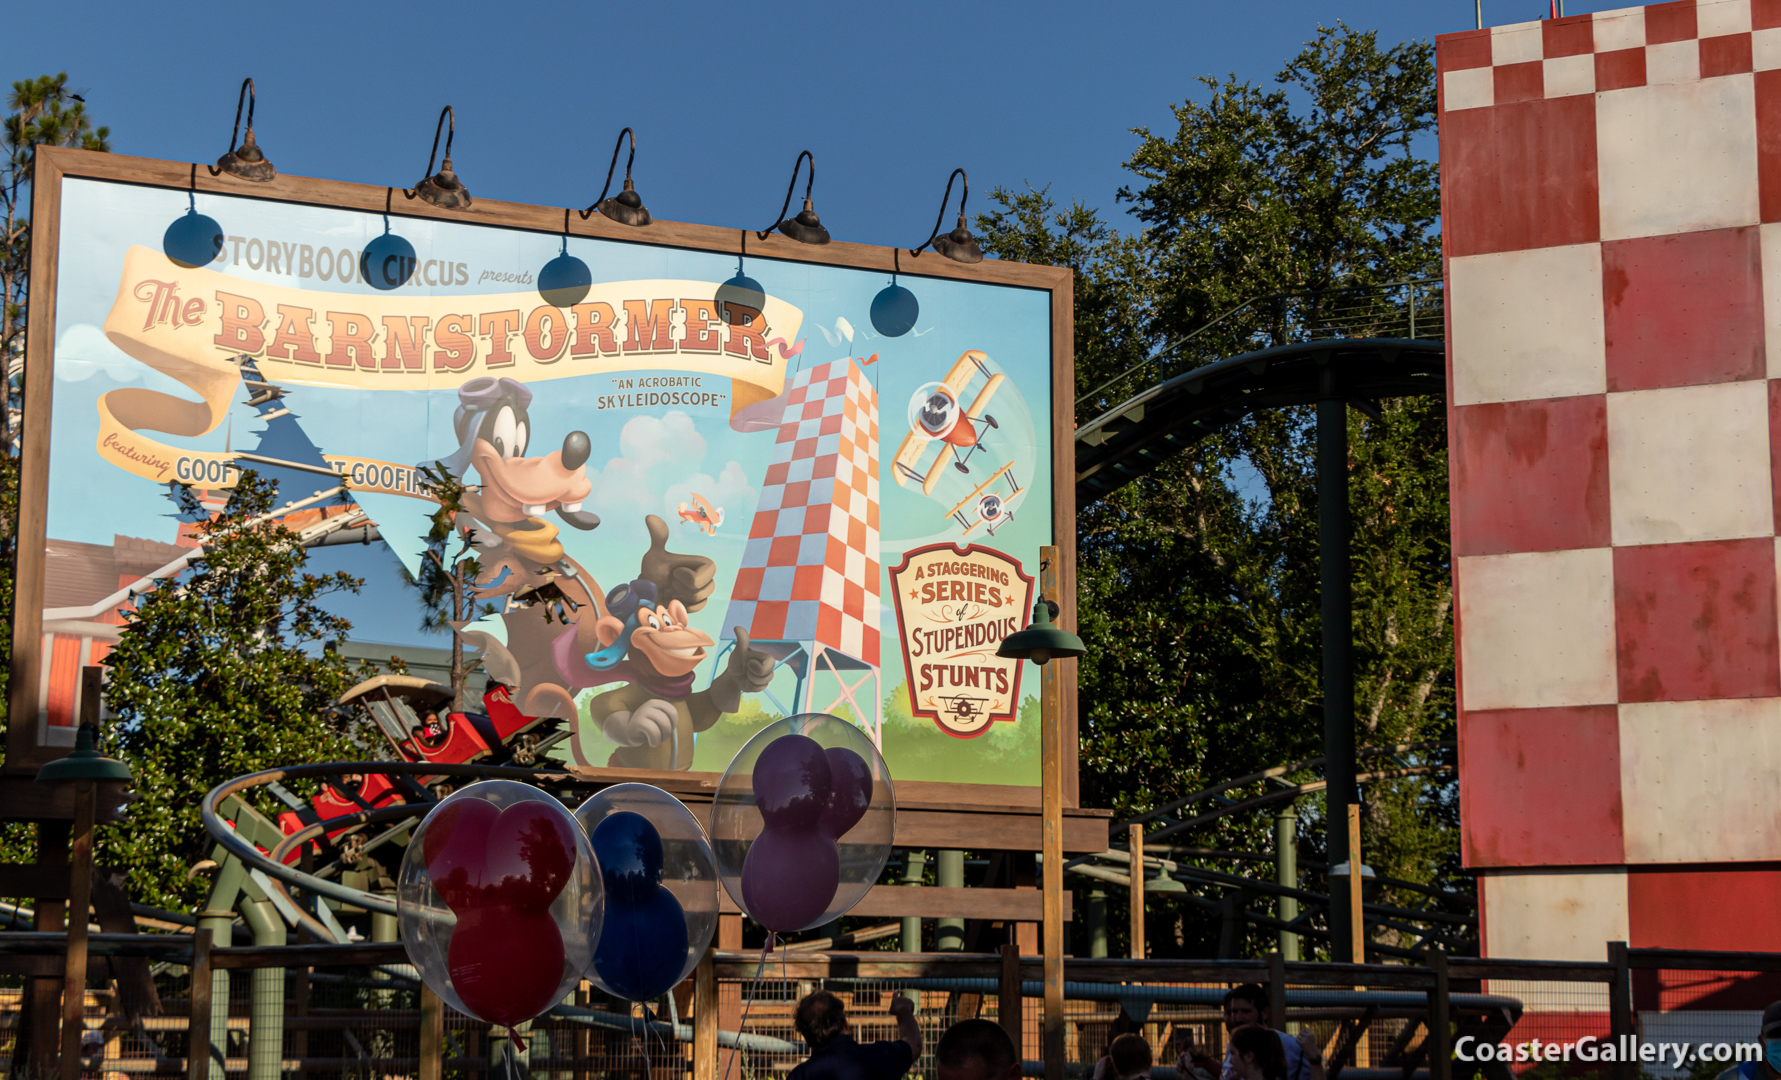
(1338, 642)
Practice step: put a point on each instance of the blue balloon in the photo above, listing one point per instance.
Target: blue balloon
(643, 941)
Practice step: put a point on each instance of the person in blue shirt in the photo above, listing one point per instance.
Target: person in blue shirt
(834, 1055)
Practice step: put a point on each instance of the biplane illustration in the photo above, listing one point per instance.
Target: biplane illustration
(700, 512)
(939, 423)
(963, 708)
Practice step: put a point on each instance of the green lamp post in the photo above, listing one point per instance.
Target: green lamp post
(85, 768)
(1042, 640)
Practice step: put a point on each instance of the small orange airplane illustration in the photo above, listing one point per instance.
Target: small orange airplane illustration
(700, 512)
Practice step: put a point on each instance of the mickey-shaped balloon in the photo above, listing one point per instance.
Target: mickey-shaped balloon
(661, 889)
(498, 901)
(814, 779)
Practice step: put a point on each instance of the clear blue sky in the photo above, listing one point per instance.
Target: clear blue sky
(889, 97)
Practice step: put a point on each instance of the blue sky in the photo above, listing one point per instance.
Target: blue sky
(889, 97)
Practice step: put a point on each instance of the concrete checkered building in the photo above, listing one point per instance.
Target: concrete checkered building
(1611, 189)
(808, 585)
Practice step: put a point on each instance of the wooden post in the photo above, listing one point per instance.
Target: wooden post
(1135, 844)
(1440, 1057)
(729, 1000)
(80, 893)
(1051, 750)
(1620, 1007)
(198, 1027)
(432, 1066)
(705, 1018)
(1277, 990)
(1010, 1007)
(1357, 920)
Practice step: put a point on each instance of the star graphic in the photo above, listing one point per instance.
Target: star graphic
(913, 593)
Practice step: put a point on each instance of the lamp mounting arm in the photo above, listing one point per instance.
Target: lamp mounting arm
(450, 132)
(610, 169)
(246, 97)
(809, 183)
(964, 196)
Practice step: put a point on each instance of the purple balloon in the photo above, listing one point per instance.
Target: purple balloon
(792, 782)
(790, 876)
(851, 792)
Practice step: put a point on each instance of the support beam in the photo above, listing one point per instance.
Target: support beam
(1338, 642)
(949, 873)
(1051, 752)
(1135, 848)
(80, 891)
(1286, 873)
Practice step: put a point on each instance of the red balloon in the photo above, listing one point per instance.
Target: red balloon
(531, 853)
(505, 965)
(456, 845)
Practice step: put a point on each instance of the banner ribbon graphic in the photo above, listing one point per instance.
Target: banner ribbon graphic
(196, 325)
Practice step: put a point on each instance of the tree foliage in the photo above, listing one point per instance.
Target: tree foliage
(226, 670)
(41, 112)
(447, 578)
(1198, 586)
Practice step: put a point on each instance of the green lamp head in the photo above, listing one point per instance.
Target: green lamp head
(85, 762)
(1041, 640)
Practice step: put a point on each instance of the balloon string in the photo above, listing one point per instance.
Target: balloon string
(754, 990)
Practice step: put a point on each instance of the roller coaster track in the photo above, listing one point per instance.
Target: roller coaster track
(1359, 344)
(1450, 920)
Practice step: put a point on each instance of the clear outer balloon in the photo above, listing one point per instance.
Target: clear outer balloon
(499, 901)
(639, 957)
(802, 821)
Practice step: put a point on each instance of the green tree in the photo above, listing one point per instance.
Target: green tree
(228, 669)
(447, 578)
(1198, 586)
(42, 112)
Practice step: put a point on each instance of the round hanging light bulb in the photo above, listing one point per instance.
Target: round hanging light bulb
(894, 310)
(193, 239)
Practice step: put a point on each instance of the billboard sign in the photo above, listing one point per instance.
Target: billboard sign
(691, 460)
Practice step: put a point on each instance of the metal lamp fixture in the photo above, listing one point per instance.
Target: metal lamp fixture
(1041, 641)
(443, 189)
(626, 207)
(85, 762)
(246, 161)
(806, 227)
(958, 245)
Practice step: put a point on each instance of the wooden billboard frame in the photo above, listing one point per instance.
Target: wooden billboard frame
(54, 165)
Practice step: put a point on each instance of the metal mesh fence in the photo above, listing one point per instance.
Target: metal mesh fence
(366, 1022)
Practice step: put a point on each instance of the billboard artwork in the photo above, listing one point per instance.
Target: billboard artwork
(689, 473)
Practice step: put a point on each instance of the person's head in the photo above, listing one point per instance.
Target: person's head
(1257, 1054)
(1771, 1036)
(977, 1050)
(1246, 1004)
(820, 1017)
(1130, 1054)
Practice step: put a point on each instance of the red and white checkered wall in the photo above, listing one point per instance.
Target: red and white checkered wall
(1611, 189)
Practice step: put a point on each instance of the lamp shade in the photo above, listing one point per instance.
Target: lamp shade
(85, 762)
(1042, 640)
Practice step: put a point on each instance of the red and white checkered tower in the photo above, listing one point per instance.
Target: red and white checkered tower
(1611, 190)
(807, 589)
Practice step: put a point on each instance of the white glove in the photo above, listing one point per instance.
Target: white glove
(649, 723)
